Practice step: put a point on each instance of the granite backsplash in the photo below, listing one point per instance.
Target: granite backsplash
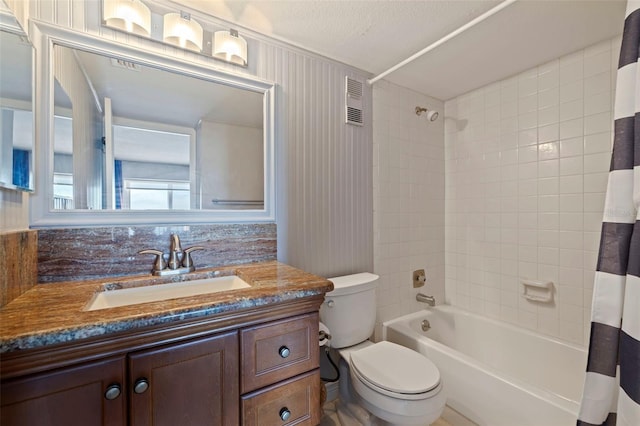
(86, 253)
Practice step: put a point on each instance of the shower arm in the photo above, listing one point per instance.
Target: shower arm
(431, 114)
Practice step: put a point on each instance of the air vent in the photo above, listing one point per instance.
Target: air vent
(354, 116)
(125, 64)
(354, 88)
(353, 101)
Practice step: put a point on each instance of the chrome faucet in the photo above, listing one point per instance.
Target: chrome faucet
(429, 300)
(175, 251)
(180, 261)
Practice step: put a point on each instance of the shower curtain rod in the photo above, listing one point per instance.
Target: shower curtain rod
(444, 39)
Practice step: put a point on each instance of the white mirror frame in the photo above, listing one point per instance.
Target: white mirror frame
(42, 215)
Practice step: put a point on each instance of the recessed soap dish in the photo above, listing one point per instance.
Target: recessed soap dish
(538, 291)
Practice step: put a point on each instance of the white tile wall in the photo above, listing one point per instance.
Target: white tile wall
(408, 185)
(527, 160)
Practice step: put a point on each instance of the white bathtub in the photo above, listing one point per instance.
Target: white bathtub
(494, 373)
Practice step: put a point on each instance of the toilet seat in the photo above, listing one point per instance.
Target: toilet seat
(395, 371)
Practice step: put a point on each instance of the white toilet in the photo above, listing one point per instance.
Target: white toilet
(393, 383)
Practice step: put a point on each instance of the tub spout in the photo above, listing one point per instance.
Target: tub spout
(429, 300)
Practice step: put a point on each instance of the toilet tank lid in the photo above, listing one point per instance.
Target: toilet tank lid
(354, 283)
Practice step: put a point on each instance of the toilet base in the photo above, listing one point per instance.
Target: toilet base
(350, 414)
(428, 414)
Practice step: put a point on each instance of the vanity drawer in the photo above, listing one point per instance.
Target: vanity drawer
(295, 401)
(278, 350)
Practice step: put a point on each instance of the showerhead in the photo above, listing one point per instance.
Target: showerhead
(431, 115)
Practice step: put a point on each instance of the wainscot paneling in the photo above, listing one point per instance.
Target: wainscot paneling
(323, 166)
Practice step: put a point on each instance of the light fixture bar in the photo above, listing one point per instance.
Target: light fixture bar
(174, 28)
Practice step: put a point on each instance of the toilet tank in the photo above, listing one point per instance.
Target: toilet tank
(349, 311)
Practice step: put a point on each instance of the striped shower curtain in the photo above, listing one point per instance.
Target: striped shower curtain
(612, 386)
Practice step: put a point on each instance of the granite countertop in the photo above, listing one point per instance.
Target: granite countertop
(55, 313)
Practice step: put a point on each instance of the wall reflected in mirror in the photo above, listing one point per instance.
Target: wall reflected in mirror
(16, 113)
(128, 136)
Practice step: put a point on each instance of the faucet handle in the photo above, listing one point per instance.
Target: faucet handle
(159, 264)
(186, 258)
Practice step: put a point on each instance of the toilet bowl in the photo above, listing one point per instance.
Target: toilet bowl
(394, 383)
(391, 382)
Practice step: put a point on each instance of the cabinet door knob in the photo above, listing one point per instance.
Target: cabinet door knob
(285, 414)
(112, 392)
(141, 385)
(284, 351)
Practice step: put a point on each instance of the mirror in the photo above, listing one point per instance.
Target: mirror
(139, 137)
(16, 100)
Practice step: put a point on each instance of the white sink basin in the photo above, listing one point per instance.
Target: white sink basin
(155, 293)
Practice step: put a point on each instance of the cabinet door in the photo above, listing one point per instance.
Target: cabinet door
(193, 383)
(88, 394)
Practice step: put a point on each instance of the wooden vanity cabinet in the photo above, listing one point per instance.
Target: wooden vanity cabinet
(262, 370)
(68, 396)
(191, 383)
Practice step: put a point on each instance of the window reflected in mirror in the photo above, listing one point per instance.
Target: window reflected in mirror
(145, 178)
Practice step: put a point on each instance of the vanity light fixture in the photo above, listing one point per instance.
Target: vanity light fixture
(230, 47)
(174, 28)
(131, 16)
(182, 31)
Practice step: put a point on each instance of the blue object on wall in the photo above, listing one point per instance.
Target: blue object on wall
(21, 163)
(117, 170)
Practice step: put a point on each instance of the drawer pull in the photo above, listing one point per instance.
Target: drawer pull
(285, 414)
(284, 351)
(112, 392)
(141, 385)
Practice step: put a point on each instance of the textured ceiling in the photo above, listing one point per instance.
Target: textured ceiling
(374, 35)
(369, 34)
